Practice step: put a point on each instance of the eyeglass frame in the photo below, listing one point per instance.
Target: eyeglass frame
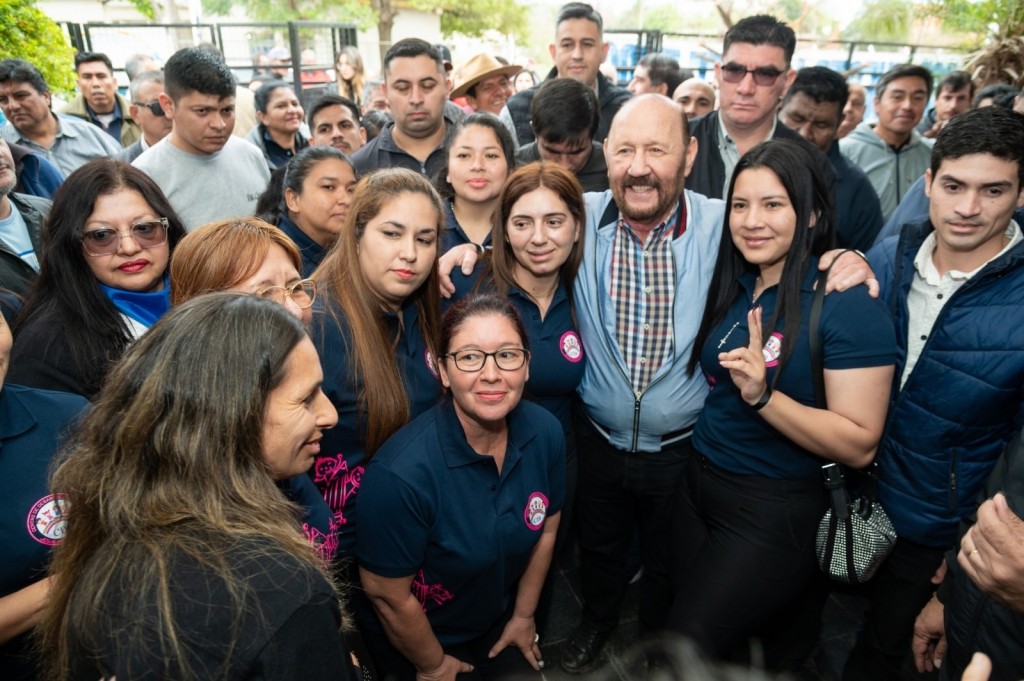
(154, 107)
(161, 221)
(493, 355)
(290, 291)
(760, 73)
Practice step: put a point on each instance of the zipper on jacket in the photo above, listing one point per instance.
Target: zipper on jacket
(636, 420)
(637, 396)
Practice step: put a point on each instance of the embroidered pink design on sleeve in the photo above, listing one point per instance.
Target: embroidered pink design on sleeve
(429, 594)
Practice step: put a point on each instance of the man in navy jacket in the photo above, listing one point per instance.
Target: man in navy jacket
(955, 287)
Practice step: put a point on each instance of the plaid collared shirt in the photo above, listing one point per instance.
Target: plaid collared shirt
(643, 291)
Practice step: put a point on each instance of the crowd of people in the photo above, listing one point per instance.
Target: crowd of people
(326, 394)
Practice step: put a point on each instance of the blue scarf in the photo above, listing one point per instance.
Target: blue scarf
(145, 308)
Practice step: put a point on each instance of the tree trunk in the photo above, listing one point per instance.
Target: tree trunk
(386, 20)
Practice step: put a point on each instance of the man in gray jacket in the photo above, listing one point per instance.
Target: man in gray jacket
(891, 152)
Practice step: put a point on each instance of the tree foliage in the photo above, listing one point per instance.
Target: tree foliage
(994, 19)
(465, 17)
(475, 17)
(27, 33)
(350, 11)
(145, 8)
(883, 21)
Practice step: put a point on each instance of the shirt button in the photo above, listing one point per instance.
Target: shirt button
(536, 317)
(647, 327)
(647, 289)
(924, 337)
(643, 360)
(939, 296)
(494, 487)
(647, 254)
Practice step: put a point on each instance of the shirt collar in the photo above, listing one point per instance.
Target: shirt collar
(664, 226)
(15, 417)
(723, 134)
(116, 113)
(64, 130)
(456, 450)
(925, 264)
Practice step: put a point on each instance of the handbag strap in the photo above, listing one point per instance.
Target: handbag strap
(831, 471)
(814, 339)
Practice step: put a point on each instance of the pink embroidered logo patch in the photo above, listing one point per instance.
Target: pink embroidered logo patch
(536, 511)
(772, 349)
(47, 519)
(571, 347)
(428, 357)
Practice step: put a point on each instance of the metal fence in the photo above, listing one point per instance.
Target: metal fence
(240, 43)
(863, 61)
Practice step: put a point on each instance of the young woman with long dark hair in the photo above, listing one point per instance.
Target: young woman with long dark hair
(377, 329)
(751, 500)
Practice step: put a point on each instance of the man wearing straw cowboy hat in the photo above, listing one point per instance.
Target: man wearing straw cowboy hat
(484, 82)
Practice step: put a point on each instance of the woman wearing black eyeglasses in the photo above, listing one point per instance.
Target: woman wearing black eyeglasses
(102, 278)
(465, 502)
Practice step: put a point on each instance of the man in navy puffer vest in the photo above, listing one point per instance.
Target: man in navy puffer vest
(955, 287)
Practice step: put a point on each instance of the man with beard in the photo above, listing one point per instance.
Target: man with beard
(649, 254)
(21, 222)
(652, 243)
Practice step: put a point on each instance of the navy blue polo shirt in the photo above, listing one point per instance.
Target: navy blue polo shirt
(855, 330)
(557, 358)
(312, 253)
(33, 424)
(443, 514)
(338, 470)
(453, 234)
(276, 154)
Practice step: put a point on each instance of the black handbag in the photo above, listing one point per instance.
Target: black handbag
(855, 535)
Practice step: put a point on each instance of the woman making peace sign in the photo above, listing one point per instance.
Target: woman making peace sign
(752, 498)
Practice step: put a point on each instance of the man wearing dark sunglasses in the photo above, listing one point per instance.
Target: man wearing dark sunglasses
(753, 76)
(146, 111)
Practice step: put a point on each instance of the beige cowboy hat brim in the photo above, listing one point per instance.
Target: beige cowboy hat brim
(480, 68)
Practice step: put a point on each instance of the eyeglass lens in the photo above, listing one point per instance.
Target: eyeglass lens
(508, 359)
(302, 293)
(106, 241)
(763, 75)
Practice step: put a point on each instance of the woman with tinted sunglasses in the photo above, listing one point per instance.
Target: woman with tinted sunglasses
(102, 278)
